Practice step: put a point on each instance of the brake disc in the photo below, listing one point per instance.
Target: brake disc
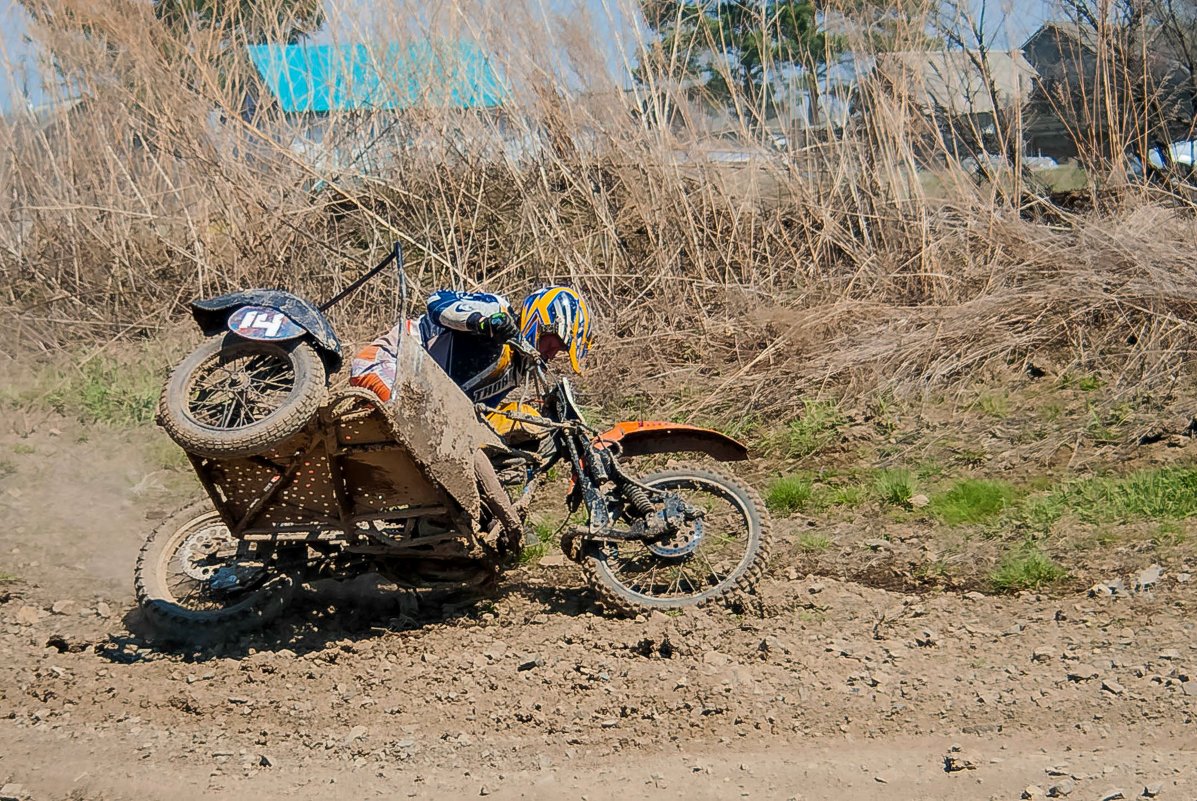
(210, 555)
(687, 532)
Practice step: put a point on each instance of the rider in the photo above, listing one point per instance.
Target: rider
(466, 333)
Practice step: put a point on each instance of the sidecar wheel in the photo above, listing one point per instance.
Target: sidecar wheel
(237, 397)
(173, 581)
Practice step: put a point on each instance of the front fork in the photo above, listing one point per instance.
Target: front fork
(650, 523)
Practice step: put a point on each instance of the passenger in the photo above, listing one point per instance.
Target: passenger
(467, 334)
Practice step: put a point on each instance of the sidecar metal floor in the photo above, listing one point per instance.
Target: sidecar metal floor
(361, 459)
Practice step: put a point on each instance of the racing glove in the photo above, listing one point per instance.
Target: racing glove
(498, 326)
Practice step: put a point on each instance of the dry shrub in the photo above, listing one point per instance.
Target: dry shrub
(722, 289)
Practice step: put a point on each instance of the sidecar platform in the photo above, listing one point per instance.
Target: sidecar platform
(360, 461)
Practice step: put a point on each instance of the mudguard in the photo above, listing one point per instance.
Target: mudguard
(641, 437)
(212, 313)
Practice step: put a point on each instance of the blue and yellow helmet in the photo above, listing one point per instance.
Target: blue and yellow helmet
(557, 310)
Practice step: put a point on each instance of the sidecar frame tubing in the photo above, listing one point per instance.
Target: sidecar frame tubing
(299, 491)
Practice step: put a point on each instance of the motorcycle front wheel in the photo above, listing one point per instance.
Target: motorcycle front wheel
(194, 584)
(722, 552)
(238, 397)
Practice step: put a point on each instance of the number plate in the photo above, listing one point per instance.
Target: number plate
(259, 322)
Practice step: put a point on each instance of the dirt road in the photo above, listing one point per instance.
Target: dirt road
(855, 693)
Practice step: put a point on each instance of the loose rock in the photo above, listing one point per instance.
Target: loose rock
(1148, 578)
(1112, 794)
(1061, 788)
(1152, 790)
(62, 607)
(13, 792)
(356, 733)
(1082, 673)
(1108, 588)
(1109, 685)
(955, 760)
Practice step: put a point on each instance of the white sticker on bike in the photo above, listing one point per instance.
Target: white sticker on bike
(261, 323)
(266, 322)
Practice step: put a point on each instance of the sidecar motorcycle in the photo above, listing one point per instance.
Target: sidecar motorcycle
(305, 481)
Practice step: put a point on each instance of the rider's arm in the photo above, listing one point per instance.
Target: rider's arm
(456, 310)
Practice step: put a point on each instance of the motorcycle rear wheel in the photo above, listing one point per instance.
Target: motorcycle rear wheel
(173, 581)
(238, 397)
(725, 555)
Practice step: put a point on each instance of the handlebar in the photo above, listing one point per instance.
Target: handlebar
(521, 346)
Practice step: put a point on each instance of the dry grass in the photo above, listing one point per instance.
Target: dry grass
(724, 291)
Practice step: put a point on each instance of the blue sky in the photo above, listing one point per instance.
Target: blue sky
(21, 77)
(21, 73)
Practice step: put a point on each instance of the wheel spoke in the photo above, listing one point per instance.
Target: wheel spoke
(714, 573)
(199, 552)
(699, 558)
(234, 390)
(227, 417)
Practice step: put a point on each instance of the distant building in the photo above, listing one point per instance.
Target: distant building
(326, 78)
(959, 83)
(970, 98)
(1139, 89)
(348, 107)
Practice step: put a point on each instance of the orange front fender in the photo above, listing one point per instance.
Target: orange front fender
(641, 437)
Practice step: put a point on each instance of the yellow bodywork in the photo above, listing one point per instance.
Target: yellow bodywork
(510, 429)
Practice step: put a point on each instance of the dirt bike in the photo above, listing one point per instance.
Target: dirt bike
(306, 483)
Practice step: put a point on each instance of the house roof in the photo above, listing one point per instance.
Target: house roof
(306, 77)
(1070, 31)
(951, 81)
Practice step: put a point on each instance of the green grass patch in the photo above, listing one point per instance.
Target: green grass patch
(107, 390)
(1169, 534)
(6, 577)
(813, 543)
(1166, 493)
(1040, 513)
(7, 468)
(973, 501)
(1106, 427)
(23, 449)
(1027, 568)
(850, 495)
(1085, 383)
(789, 494)
(111, 394)
(895, 487)
(883, 410)
(994, 404)
(814, 430)
(544, 531)
(929, 469)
